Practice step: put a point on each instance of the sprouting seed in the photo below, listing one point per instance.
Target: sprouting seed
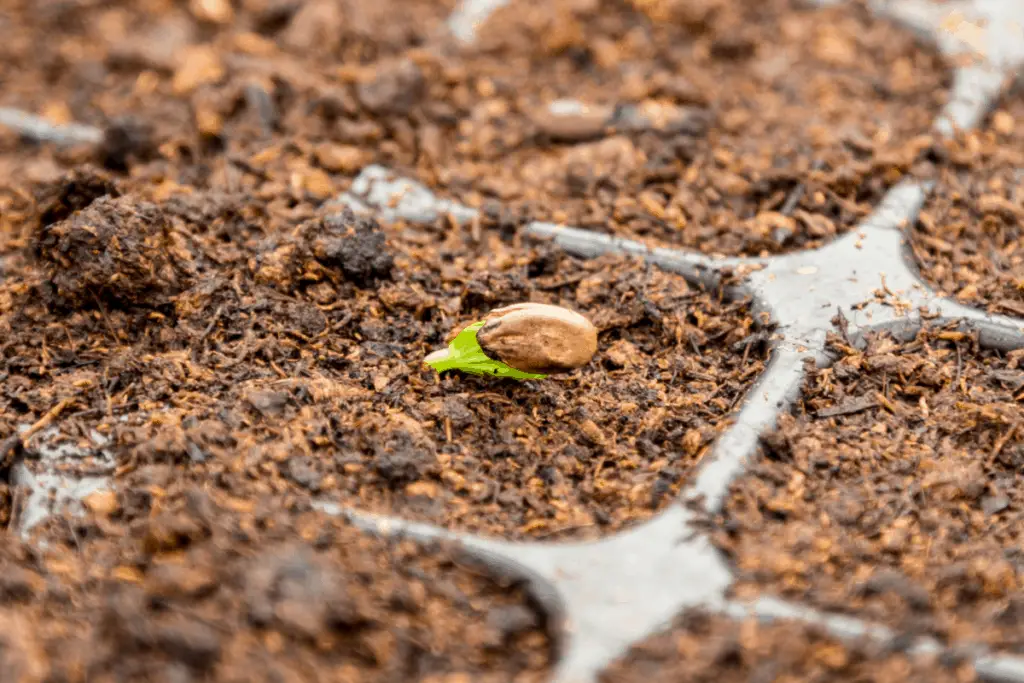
(523, 341)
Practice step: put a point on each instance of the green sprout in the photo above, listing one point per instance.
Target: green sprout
(465, 354)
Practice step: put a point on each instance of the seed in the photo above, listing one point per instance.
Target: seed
(524, 341)
(538, 338)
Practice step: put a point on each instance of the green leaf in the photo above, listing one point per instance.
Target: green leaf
(465, 354)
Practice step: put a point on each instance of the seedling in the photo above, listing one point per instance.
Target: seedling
(524, 341)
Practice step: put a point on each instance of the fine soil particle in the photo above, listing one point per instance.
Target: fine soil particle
(708, 649)
(969, 240)
(893, 492)
(727, 127)
(178, 584)
(295, 361)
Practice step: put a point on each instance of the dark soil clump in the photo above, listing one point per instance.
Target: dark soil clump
(340, 241)
(115, 249)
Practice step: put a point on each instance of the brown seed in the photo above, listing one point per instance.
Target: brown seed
(538, 338)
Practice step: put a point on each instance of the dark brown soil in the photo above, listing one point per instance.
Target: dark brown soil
(770, 126)
(710, 649)
(165, 582)
(181, 310)
(182, 304)
(734, 127)
(970, 238)
(893, 492)
(297, 359)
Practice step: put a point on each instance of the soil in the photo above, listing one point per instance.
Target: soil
(732, 128)
(702, 648)
(893, 492)
(184, 308)
(294, 362)
(969, 240)
(170, 582)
